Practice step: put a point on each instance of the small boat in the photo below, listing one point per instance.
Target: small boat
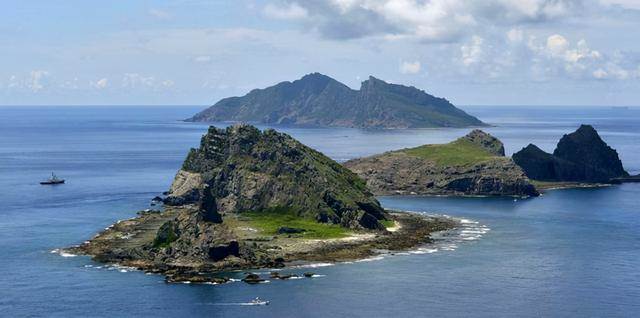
(259, 302)
(53, 180)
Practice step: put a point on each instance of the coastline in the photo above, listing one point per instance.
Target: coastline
(122, 245)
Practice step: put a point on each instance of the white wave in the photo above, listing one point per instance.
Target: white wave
(314, 265)
(62, 253)
(370, 259)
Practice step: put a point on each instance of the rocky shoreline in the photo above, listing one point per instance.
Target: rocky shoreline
(474, 165)
(130, 243)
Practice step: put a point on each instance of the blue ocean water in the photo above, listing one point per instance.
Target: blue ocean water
(569, 253)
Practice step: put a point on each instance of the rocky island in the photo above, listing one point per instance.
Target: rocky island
(471, 165)
(581, 157)
(319, 100)
(252, 199)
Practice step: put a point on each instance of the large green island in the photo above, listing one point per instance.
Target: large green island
(258, 199)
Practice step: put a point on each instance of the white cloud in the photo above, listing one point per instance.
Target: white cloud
(628, 4)
(472, 51)
(290, 11)
(600, 74)
(160, 14)
(515, 35)
(557, 45)
(135, 80)
(429, 21)
(37, 80)
(410, 67)
(100, 84)
(202, 59)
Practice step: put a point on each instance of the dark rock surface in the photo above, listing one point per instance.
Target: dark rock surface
(290, 230)
(244, 169)
(319, 100)
(581, 156)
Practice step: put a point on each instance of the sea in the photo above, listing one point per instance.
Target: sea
(568, 253)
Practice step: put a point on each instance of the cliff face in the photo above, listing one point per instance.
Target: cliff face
(581, 156)
(242, 169)
(472, 165)
(319, 100)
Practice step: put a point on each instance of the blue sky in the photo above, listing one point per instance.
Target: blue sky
(489, 52)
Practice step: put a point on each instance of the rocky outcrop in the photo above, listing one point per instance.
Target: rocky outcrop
(243, 169)
(581, 156)
(489, 143)
(319, 100)
(421, 170)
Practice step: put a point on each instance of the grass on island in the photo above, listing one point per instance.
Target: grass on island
(269, 221)
(457, 153)
(388, 223)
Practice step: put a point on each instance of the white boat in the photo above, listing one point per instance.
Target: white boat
(259, 302)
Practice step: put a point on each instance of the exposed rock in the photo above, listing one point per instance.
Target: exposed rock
(581, 156)
(319, 100)
(491, 144)
(185, 189)
(244, 169)
(252, 279)
(221, 252)
(309, 274)
(290, 230)
(485, 171)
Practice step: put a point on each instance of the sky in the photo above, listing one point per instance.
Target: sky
(194, 52)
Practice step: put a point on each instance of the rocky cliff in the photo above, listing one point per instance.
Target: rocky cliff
(242, 169)
(472, 165)
(581, 156)
(319, 100)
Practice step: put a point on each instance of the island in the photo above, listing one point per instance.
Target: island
(581, 158)
(473, 165)
(248, 198)
(319, 100)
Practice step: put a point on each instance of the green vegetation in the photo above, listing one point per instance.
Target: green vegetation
(388, 223)
(269, 221)
(165, 236)
(457, 153)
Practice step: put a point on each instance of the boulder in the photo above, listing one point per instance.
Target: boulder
(252, 279)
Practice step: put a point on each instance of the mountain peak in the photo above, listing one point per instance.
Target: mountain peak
(489, 143)
(240, 168)
(319, 100)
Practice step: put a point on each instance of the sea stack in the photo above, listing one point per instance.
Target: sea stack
(581, 156)
(471, 165)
